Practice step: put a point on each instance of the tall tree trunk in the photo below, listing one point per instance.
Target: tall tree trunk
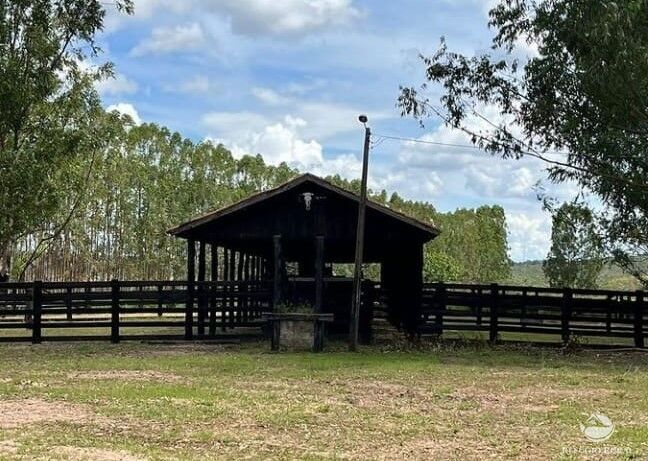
(5, 261)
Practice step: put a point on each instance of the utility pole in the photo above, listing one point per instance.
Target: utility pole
(359, 248)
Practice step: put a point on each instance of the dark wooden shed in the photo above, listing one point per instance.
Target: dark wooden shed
(292, 234)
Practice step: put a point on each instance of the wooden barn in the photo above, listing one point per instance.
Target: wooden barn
(292, 235)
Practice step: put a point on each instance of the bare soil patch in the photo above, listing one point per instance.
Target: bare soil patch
(15, 413)
(127, 375)
(529, 399)
(93, 454)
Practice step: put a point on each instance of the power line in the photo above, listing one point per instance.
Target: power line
(423, 141)
(522, 153)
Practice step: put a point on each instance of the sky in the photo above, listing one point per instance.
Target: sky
(287, 79)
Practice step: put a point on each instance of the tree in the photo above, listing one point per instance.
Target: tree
(440, 267)
(47, 106)
(580, 104)
(576, 256)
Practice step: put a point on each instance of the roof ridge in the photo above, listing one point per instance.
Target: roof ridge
(287, 185)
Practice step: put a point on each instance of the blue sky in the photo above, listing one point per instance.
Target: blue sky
(288, 78)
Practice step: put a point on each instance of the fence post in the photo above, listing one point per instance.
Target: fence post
(160, 294)
(191, 280)
(566, 313)
(441, 307)
(494, 308)
(68, 303)
(37, 307)
(114, 311)
(638, 319)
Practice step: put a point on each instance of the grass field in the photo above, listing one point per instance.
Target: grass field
(138, 401)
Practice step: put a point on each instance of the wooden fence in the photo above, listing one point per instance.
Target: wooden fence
(128, 309)
(119, 310)
(563, 313)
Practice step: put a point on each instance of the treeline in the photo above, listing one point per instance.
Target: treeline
(120, 201)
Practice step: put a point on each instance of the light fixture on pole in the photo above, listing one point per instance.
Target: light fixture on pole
(359, 247)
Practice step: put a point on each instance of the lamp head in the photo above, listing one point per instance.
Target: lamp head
(363, 119)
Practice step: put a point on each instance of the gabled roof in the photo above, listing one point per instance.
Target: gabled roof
(261, 196)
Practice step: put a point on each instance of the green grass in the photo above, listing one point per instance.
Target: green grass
(148, 401)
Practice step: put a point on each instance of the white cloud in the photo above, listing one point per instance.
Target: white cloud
(278, 141)
(234, 125)
(144, 10)
(126, 109)
(529, 235)
(170, 39)
(119, 84)
(269, 96)
(197, 84)
(287, 17)
(249, 17)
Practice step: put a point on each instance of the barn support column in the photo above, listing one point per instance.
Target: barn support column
(212, 298)
(277, 273)
(191, 280)
(202, 305)
(319, 272)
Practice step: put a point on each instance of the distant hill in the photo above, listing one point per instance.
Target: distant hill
(530, 273)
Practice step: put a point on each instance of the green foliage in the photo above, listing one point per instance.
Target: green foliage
(583, 94)
(576, 256)
(440, 267)
(476, 241)
(49, 111)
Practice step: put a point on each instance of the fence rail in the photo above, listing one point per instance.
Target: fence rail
(564, 313)
(119, 310)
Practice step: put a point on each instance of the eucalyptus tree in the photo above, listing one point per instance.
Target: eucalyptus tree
(47, 107)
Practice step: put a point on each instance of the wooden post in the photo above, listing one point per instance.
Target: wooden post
(319, 272)
(212, 301)
(638, 319)
(255, 285)
(523, 310)
(494, 312)
(246, 278)
(224, 297)
(239, 285)
(566, 313)
(114, 311)
(359, 245)
(480, 298)
(232, 288)
(276, 288)
(160, 294)
(441, 307)
(201, 289)
(608, 315)
(68, 303)
(191, 279)
(37, 307)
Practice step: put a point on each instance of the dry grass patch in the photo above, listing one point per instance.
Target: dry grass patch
(128, 375)
(16, 413)
(91, 454)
